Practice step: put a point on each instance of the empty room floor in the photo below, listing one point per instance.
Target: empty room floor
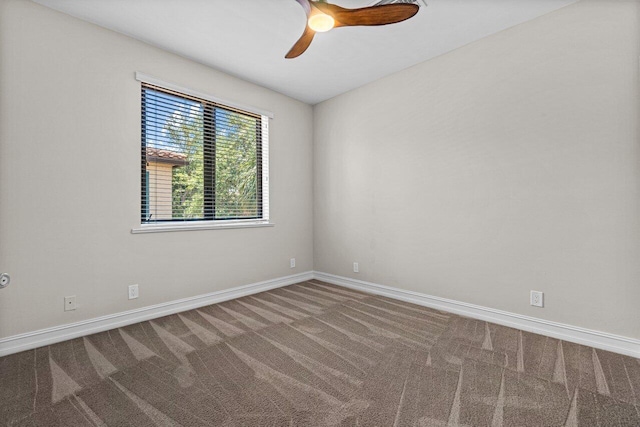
(314, 354)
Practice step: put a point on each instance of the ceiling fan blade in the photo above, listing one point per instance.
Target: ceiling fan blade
(302, 44)
(372, 15)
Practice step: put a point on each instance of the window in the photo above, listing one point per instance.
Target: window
(201, 160)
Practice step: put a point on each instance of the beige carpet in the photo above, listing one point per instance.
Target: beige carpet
(314, 354)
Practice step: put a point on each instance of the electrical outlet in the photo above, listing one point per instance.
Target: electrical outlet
(70, 303)
(133, 291)
(292, 263)
(356, 267)
(537, 299)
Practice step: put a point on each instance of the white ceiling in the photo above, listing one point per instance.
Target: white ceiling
(249, 38)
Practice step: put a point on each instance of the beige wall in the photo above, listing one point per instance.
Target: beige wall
(508, 165)
(70, 177)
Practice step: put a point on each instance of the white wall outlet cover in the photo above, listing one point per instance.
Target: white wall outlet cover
(70, 303)
(292, 263)
(133, 291)
(537, 299)
(356, 267)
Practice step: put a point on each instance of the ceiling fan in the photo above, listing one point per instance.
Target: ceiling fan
(323, 16)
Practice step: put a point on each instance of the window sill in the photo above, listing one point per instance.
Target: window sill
(201, 225)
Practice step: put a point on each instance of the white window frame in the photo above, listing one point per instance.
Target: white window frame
(209, 224)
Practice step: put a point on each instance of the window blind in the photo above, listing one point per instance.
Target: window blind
(201, 160)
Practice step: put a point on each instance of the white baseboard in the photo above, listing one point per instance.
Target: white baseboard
(42, 337)
(588, 337)
(597, 339)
